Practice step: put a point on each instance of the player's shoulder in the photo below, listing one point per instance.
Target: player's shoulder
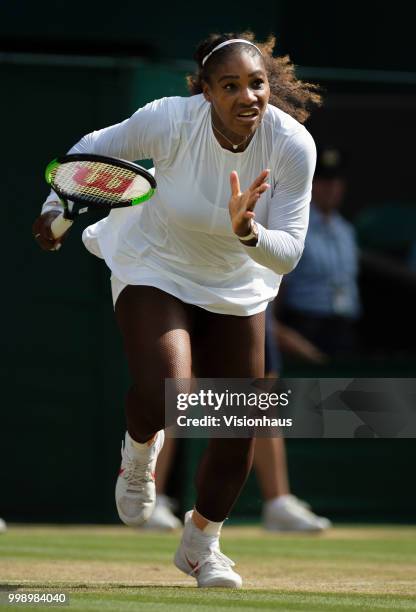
(284, 127)
(289, 142)
(190, 107)
(180, 107)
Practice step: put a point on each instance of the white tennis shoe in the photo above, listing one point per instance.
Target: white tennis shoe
(288, 513)
(162, 518)
(199, 556)
(135, 487)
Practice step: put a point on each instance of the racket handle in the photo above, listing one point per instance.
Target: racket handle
(60, 225)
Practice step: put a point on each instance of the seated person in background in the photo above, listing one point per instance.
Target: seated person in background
(320, 298)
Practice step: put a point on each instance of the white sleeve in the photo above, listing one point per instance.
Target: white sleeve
(151, 133)
(52, 202)
(280, 246)
(148, 134)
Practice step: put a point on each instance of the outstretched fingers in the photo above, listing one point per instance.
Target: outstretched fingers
(257, 188)
(259, 182)
(235, 184)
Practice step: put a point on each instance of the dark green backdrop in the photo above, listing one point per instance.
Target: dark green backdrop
(344, 34)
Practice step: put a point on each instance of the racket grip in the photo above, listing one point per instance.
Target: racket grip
(60, 225)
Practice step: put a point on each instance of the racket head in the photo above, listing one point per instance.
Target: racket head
(99, 181)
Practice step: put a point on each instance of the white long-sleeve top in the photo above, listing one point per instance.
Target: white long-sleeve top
(181, 241)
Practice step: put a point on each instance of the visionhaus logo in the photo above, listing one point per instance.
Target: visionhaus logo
(232, 421)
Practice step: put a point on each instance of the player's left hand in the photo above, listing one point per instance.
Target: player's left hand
(241, 205)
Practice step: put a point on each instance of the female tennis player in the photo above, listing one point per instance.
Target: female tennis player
(194, 269)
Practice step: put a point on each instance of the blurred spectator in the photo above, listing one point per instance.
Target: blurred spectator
(319, 301)
(282, 511)
(319, 305)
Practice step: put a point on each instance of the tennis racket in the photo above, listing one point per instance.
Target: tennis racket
(84, 181)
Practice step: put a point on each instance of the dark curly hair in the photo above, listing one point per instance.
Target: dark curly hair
(287, 92)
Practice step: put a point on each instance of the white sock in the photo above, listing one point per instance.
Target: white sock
(211, 528)
(140, 446)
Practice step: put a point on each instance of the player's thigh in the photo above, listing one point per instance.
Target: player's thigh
(155, 330)
(231, 346)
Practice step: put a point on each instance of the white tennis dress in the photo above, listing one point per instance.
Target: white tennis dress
(181, 241)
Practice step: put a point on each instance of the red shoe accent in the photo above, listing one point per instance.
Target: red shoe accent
(194, 566)
(121, 471)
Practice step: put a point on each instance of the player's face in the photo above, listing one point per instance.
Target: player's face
(239, 92)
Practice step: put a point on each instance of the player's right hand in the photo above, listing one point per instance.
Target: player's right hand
(42, 232)
(241, 205)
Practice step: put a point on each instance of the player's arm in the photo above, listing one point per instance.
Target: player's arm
(149, 133)
(291, 341)
(280, 245)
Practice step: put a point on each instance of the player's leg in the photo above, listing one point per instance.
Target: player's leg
(230, 347)
(154, 326)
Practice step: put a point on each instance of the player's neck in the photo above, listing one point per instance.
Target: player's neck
(228, 139)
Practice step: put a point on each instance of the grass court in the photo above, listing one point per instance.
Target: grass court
(119, 569)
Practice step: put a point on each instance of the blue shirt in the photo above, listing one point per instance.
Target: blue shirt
(324, 283)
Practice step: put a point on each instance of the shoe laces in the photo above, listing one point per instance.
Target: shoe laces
(136, 474)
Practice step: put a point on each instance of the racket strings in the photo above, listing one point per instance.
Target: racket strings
(98, 182)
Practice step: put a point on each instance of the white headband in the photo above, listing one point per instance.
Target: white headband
(229, 42)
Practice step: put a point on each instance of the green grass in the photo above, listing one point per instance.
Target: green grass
(114, 568)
